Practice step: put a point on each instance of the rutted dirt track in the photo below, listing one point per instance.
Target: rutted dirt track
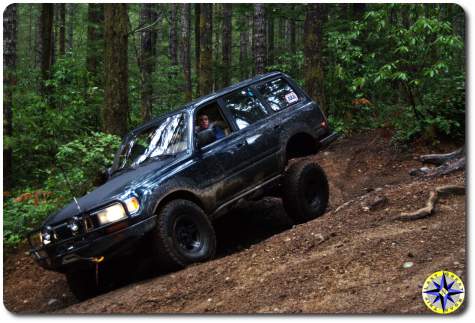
(350, 260)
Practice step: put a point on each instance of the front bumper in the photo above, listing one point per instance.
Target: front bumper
(109, 242)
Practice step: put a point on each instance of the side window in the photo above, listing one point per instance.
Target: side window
(245, 107)
(278, 94)
(210, 117)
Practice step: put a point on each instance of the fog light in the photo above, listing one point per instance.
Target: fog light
(46, 238)
(132, 205)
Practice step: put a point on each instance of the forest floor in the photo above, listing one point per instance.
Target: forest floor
(350, 260)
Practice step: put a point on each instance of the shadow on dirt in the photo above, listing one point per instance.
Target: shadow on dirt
(249, 223)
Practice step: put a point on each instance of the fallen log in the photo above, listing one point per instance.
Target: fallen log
(447, 163)
(439, 159)
(434, 196)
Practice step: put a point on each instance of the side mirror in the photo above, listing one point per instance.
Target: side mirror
(204, 137)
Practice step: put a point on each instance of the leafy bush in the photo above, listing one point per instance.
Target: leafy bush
(80, 161)
(415, 68)
(20, 218)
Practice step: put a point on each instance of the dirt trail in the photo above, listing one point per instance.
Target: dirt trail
(350, 260)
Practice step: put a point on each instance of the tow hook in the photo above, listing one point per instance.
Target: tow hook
(97, 261)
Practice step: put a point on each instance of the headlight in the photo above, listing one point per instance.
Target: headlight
(132, 205)
(111, 214)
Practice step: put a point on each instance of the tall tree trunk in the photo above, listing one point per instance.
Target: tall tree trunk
(227, 44)
(46, 46)
(95, 42)
(270, 34)
(70, 7)
(206, 49)
(116, 107)
(243, 48)
(9, 80)
(62, 29)
(30, 27)
(216, 41)
(186, 48)
(292, 30)
(148, 38)
(313, 44)
(358, 10)
(259, 41)
(197, 44)
(173, 42)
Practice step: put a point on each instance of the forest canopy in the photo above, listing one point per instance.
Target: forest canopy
(77, 77)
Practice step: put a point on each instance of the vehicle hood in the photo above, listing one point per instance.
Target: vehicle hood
(133, 180)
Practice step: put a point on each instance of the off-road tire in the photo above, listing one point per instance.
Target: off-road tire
(170, 239)
(305, 191)
(82, 283)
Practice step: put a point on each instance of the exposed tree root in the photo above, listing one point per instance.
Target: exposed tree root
(439, 159)
(447, 163)
(434, 196)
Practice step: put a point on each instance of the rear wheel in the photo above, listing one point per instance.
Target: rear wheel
(183, 235)
(305, 191)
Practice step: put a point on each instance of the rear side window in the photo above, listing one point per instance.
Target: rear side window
(245, 107)
(278, 94)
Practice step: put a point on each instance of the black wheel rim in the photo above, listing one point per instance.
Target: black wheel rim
(188, 236)
(312, 192)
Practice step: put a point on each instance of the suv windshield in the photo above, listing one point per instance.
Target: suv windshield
(165, 139)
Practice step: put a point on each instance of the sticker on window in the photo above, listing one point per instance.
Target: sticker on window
(291, 97)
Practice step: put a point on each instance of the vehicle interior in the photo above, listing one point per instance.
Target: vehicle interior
(215, 117)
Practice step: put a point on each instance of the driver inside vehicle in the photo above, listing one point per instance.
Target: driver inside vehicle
(204, 124)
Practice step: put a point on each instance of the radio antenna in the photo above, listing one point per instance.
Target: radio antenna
(69, 186)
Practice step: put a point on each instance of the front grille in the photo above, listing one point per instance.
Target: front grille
(63, 230)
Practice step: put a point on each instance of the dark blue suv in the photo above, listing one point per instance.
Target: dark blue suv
(174, 175)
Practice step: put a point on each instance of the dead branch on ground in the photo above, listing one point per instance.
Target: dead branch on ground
(434, 196)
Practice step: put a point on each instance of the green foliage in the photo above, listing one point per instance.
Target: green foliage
(414, 67)
(288, 63)
(80, 163)
(41, 125)
(20, 218)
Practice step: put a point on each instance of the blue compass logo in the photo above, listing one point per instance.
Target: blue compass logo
(443, 292)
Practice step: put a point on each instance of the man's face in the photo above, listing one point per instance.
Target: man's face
(203, 121)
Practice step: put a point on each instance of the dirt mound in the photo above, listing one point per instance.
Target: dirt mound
(350, 260)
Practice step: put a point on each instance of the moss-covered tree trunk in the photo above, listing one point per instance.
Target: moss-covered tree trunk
(95, 41)
(62, 29)
(259, 38)
(227, 44)
(197, 7)
(186, 48)
(148, 39)
(270, 34)
(173, 38)
(9, 81)
(206, 49)
(116, 105)
(70, 10)
(46, 46)
(243, 46)
(313, 43)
